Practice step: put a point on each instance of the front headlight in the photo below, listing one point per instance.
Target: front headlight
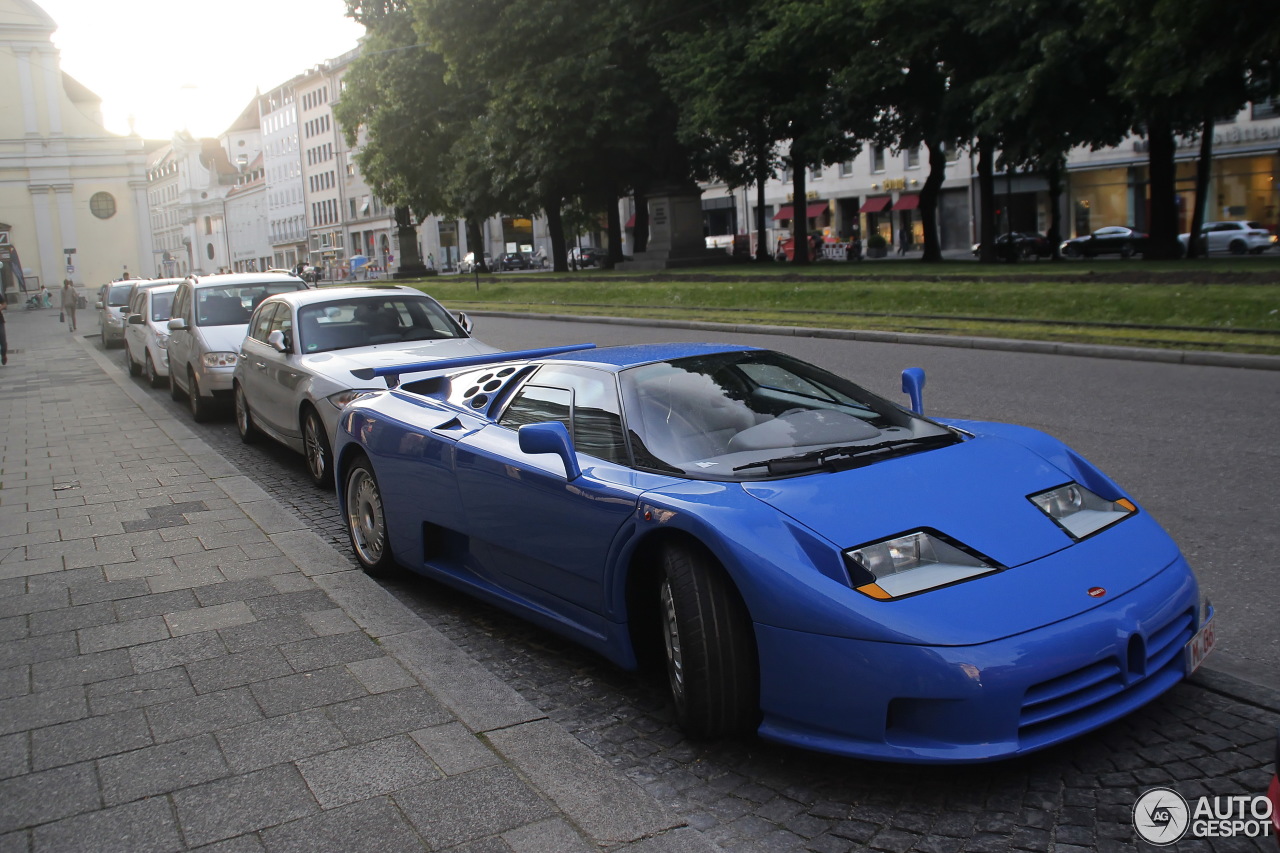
(911, 563)
(162, 341)
(219, 359)
(1079, 511)
(343, 397)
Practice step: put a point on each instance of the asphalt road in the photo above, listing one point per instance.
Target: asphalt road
(1195, 445)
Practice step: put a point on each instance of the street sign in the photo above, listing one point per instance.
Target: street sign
(4, 238)
(68, 251)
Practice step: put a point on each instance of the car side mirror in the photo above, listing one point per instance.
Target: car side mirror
(177, 324)
(551, 437)
(136, 320)
(465, 322)
(98, 304)
(278, 341)
(913, 386)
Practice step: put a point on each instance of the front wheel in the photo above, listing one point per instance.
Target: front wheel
(1126, 251)
(175, 393)
(134, 368)
(1072, 250)
(201, 409)
(154, 379)
(711, 657)
(244, 419)
(316, 448)
(365, 519)
(1238, 247)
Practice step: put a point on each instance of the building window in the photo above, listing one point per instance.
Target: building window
(877, 158)
(1265, 109)
(102, 205)
(816, 173)
(913, 157)
(846, 168)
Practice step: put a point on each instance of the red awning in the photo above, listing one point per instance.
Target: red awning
(875, 205)
(631, 223)
(907, 202)
(814, 208)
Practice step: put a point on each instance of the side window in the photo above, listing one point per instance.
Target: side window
(181, 302)
(584, 400)
(261, 325)
(282, 320)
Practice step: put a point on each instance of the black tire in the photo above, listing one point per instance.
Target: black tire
(365, 519)
(1239, 247)
(1072, 250)
(154, 379)
(244, 418)
(712, 666)
(175, 392)
(316, 449)
(1126, 251)
(134, 368)
(201, 409)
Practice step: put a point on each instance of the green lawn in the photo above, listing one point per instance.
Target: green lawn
(1222, 304)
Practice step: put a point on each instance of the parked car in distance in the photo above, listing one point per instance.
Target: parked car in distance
(1236, 237)
(1111, 240)
(514, 261)
(813, 562)
(113, 305)
(468, 262)
(1019, 246)
(587, 256)
(146, 332)
(210, 315)
(294, 373)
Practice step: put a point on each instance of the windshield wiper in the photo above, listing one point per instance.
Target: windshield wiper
(823, 458)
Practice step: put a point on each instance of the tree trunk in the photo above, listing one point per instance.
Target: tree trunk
(1162, 243)
(762, 224)
(986, 200)
(475, 243)
(799, 222)
(1202, 189)
(555, 230)
(641, 232)
(1054, 176)
(614, 226)
(929, 201)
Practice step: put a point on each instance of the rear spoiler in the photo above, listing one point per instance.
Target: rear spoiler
(394, 371)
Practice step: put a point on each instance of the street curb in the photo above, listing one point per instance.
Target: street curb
(1188, 357)
(1235, 687)
(516, 731)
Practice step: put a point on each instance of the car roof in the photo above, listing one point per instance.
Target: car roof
(634, 355)
(234, 278)
(346, 291)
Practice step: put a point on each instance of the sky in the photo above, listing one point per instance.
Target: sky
(190, 66)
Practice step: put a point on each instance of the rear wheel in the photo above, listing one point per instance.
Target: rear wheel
(244, 419)
(1239, 247)
(201, 409)
(365, 519)
(710, 646)
(316, 448)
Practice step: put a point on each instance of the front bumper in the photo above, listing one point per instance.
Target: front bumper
(215, 381)
(934, 704)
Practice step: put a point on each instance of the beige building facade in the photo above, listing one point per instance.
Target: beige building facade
(73, 196)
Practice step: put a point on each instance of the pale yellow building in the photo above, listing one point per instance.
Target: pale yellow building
(66, 183)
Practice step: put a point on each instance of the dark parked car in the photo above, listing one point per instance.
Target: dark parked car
(1112, 240)
(587, 256)
(514, 261)
(1019, 245)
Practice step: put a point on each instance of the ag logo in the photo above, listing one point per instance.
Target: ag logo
(1161, 816)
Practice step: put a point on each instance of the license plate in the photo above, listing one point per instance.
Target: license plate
(1199, 646)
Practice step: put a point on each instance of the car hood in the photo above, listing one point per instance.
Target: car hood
(223, 338)
(976, 493)
(339, 363)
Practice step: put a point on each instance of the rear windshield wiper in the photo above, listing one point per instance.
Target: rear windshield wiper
(824, 457)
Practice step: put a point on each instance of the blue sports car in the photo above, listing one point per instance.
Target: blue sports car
(808, 560)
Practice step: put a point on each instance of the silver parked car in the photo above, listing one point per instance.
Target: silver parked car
(210, 316)
(146, 332)
(113, 306)
(294, 373)
(1236, 237)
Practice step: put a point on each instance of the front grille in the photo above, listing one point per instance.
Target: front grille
(1094, 694)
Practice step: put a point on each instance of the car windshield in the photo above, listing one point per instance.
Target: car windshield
(231, 304)
(362, 321)
(759, 414)
(119, 295)
(161, 303)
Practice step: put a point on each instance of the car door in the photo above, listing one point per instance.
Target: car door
(256, 354)
(180, 340)
(534, 532)
(284, 375)
(1218, 236)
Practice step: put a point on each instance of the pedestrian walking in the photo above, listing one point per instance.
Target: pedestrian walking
(4, 341)
(44, 299)
(69, 300)
(904, 239)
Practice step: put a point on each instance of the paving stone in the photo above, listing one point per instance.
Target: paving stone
(92, 737)
(213, 618)
(122, 634)
(377, 716)
(380, 675)
(15, 755)
(547, 836)
(455, 749)
(80, 669)
(279, 739)
(266, 632)
(225, 671)
(474, 805)
(142, 827)
(327, 651)
(369, 825)
(209, 713)
(37, 798)
(158, 770)
(306, 690)
(45, 708)
(155, 605)
(71, 618)
(36, 649)
(365, 771)
(230, 807)
(176, 651)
